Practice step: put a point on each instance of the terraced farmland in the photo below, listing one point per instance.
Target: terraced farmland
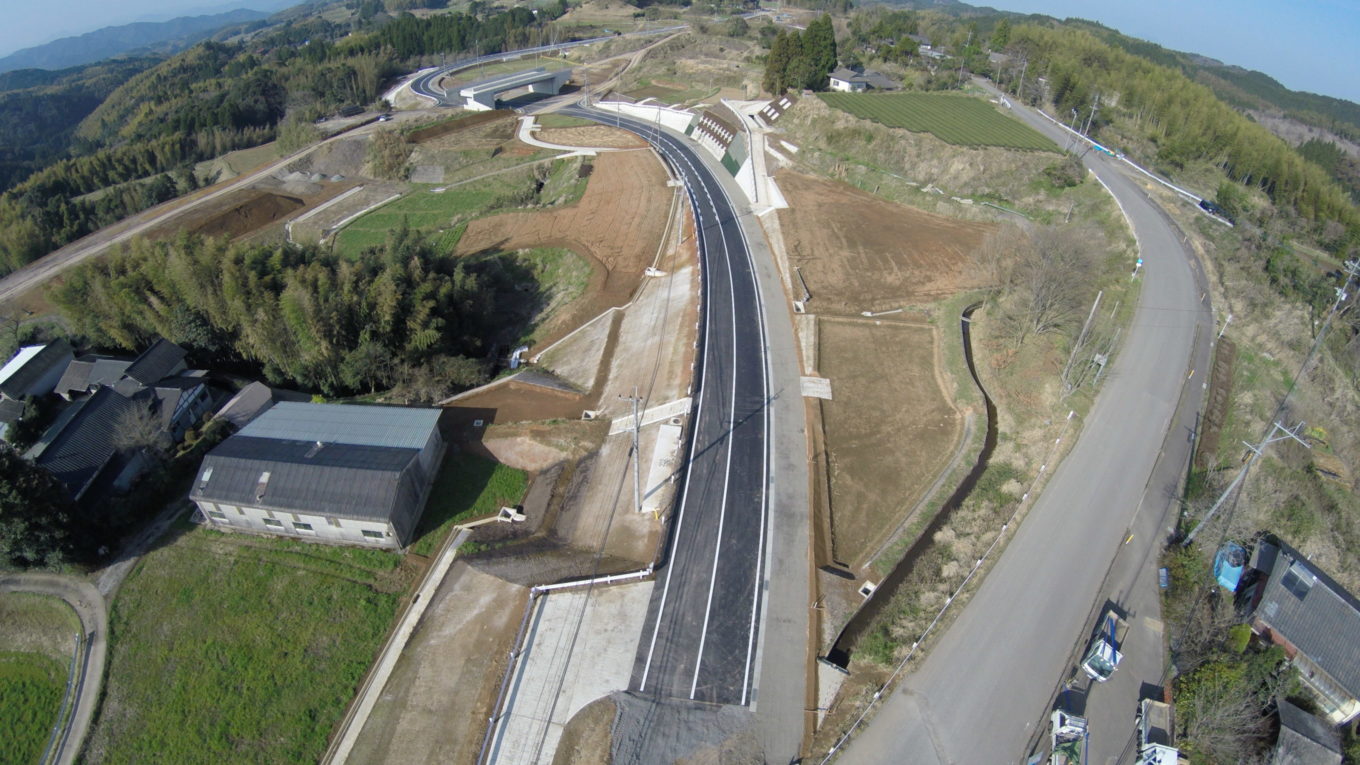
(960, 120)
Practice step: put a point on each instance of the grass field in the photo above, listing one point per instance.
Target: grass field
(234, 648)
(562, 121)
(960, 120)
(31, 687)
(467, 486)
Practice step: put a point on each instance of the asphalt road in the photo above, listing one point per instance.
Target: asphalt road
(89, 673)
(699, 639)
(424, 85)
(989, 679)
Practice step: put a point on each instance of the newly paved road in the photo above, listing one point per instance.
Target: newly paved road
(425, 86)
(89, 673)
(989, 679)
(700, 638)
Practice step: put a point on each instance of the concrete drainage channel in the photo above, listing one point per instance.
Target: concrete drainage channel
(500, 742)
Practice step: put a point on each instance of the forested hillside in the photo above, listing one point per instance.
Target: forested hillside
(1182, 121)
(217, 97)
(39, 111)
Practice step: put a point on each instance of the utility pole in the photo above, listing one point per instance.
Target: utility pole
(962, 54)
(1352, 268)
(1095, 107)
(1256, 451)
(1020, 91)
(637, 454)
(1081, 338)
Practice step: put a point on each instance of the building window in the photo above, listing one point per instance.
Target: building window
(217, 516)
(334, 522)
(305, 528)
(371, 534)
(273, 524)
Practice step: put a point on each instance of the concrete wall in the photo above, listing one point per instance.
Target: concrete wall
(676, 119)
(328, 528)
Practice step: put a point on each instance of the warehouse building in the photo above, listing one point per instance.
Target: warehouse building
(350, 474)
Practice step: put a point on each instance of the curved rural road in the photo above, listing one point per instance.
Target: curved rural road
(94, 622)
(987, 683)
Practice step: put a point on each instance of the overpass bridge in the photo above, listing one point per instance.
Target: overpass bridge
(481, 96)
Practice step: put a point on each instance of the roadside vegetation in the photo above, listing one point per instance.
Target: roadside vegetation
(230, 647)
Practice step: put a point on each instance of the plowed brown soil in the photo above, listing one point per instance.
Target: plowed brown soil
(617, 226)
(858, 252)
(250, 215)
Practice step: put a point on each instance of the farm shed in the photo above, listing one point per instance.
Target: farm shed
(350, 474)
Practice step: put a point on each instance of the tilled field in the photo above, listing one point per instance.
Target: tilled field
(858, 252)
(889, 430)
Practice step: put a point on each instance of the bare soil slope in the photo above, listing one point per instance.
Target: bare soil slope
(617, 226)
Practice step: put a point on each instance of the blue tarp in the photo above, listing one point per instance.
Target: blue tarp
(1228, 565)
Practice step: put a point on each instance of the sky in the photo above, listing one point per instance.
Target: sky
(34, 22)
(1306, 45)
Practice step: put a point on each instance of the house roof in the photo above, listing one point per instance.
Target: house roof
(86, 372)
(846, 75)
(389, 426)
(346, 480)
(252, 400)
(29, 365)
(1305, 739)
(81, 441)
(156, 362)
(1314, 613)
(11, 410)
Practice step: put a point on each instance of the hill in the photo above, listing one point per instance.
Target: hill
(165, 37)
(39, 110)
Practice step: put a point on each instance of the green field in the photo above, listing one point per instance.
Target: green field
(960, 120)
(562, 121)
(234, 648)
(31, 687)
(467, 486)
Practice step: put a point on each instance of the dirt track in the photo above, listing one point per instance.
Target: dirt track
(858, 252)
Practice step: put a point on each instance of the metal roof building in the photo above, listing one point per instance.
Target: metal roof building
(354, 474)
(1305, 739)
(1316, 621)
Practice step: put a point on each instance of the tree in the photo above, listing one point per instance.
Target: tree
(35, 516)
(777, 63)
(1043, 276)
(139, 427)
(1001, 36)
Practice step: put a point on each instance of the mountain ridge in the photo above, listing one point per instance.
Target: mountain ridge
(109, 42)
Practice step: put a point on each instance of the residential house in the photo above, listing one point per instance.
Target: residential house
(82, 447)
(332, 472)
(252, 401)
(847, 81)
(1304, 739)
(33, 371)
(851, 81)
(1294, 604)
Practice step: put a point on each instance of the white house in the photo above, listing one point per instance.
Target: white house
(350, 474)
(847, 81)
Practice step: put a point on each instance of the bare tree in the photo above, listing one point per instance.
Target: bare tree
(1045, 276)
(139, 427)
